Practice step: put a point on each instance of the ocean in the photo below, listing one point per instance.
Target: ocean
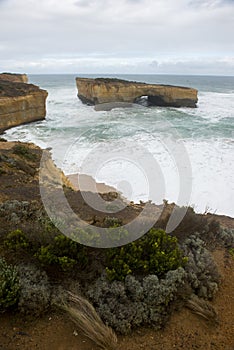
(182, 155)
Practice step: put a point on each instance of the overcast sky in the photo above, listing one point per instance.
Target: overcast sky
(117, 36)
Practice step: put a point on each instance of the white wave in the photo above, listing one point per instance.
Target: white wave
(73, 130)
(214, 106)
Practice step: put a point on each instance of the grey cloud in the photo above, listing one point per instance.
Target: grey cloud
(82, 3)
(105, 64)
(122, 33)
(210, 3)
(135, 1)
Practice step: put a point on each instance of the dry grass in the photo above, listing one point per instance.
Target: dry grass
(86, 318)
(203, 309)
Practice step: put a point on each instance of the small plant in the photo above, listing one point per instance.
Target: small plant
(16, 240)
(112, 222)
(203, 309)
(202, 272)
(35, 293)
(9, 285)
(2, 171)
(64, 252)
(125, 305)
(155, 253)
(231, 252)
(66, 263)
(45, 256)
(86, 318)
(23, 151)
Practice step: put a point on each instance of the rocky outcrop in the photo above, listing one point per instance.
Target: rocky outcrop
(101, 90)
(15, 78)
(20, 102)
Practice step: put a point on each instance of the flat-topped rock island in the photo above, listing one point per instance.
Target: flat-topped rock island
(106, 90)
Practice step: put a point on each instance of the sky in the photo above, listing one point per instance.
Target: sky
(117, 36)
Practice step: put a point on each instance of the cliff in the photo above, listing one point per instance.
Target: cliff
(16, 78)
(100, 90)
(20, 102)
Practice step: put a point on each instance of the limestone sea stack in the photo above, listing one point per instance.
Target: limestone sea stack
(20, 102)
(105, 90)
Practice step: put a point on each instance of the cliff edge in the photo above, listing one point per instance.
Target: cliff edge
(102, 90)
(20, 102)
(15, 78)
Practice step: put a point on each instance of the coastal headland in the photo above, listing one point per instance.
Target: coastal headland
(20, 102)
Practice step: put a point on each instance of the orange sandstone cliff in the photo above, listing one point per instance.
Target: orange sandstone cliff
(102, 90)
(20, 102)
(15, 78)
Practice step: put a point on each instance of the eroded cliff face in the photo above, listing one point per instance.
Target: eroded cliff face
(20, 102)
(100, 91)
(15, 78)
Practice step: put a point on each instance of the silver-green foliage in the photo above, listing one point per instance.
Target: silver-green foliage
(202, 273)
(125, 305)
(226, 237)
(9, 285)
(35, 290)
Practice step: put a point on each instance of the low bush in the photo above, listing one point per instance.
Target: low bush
(231, 252)
(201, 269)
(226, 238)
(127, 299)
(16, 240)
(154, 253)
(63, 252)
(124, 305)
(35, 293)
(24, 151)
(112, 221)
(9, 285)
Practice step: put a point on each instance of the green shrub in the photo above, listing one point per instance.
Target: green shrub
(66, 263)
(46, 256)
(64, 252)
(9, 285)
(112, 221)
(110, 236)
(16, 240)
(23, 151)
(35, 292)
(231, 252)
(154, 253)
(2, 171)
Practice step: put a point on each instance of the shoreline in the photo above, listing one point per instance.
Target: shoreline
(88, 183)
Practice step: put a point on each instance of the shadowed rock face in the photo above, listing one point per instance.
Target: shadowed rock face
(20, 102)
(101, 91)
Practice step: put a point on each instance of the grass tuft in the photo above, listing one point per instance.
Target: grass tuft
(86, 318)
(203, 309)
